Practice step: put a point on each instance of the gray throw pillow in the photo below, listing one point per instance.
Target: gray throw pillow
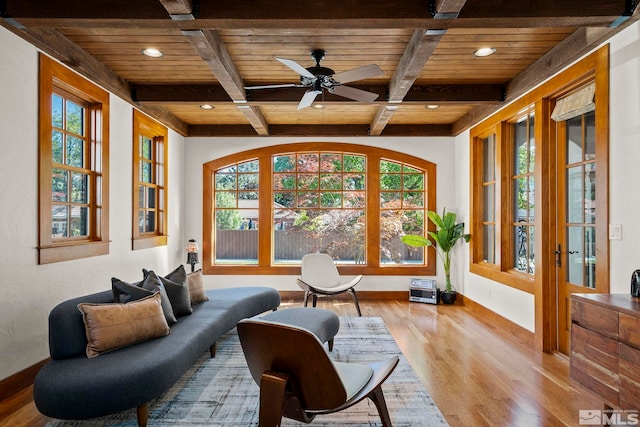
(153, 284)
(177, 287)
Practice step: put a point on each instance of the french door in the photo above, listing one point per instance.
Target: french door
(581, 244)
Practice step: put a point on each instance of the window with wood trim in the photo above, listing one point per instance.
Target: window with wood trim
(266, 208)
(73, 171)
(150, 175)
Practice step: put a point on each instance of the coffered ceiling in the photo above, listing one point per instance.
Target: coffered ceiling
(430, 82)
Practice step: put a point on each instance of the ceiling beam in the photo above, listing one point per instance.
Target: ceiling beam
(381, 119)
(199, 93)
(180, 10)
(256, 118)
(318, 130)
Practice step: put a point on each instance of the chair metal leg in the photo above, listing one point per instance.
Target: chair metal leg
(315, 299)
(355, 300)
(306, 297)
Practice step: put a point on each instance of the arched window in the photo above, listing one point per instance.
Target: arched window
(266, 208)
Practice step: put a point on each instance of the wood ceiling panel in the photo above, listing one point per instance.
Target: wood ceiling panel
(336, 114)
(222, 114)
(418, 114)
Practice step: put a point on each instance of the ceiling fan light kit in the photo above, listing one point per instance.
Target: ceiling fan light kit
(318, 78)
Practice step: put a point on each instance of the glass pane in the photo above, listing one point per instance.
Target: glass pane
(225, 181)
(56, 111)
(285, 163)
(57, 150)
(307, 200)
(521, 151)
(390, 199)
(413, 199)
(489, 203)
(532, 241)
(354, 181)
(308, 162)
(141, 221)
(142, 201)
(236, 236)
(521, 191)
(248, 181)
(59, 221)
(574, 140)
(575, 255)
(590, 256)
(354, 199)
(390, 181)
(521, 237)
(532, 143)
(226, 199)
(79, 188)
(489, 243)
(79, 221)
(60, 186)
(330, 162)
(145, 147)
(590, 193)
(489, 158)
(409, 169)
(307, 181)
(393, 223)
(330, 200)
(284, 199)
(386, 166)
(590, 136)
(75, 151)
(252, 166)
(413, 182)
(331, 182)
(247, 195)
(150, 223)
(151, 198)
(284, 181)
(532, 200)
(146, 172)
(354, 163)
(575, 194)
(75, 118)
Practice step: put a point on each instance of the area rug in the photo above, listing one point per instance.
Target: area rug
(220, 391)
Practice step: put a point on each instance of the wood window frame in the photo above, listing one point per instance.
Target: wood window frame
(146, 126)
(264, 156)
(594, 67)
(54, 76)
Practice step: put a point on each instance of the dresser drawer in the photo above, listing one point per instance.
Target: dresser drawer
(629, 330)
(595, 318)
(629, 372)
(594, 363)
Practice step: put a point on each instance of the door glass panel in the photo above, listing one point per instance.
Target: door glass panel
(575, 194)
(489, 203)
(574, 140)
(489, 243)
(575, 255)
(590, 193)
(488, 156)
(590, 136)
(590, 256)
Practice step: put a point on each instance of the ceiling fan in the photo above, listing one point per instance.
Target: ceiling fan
(318, 78)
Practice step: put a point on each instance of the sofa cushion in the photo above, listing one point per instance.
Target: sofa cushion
(150, 283)
(196, 288)
(113, 326)
(177, 286)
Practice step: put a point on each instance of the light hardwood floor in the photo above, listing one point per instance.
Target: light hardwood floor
(478, 374)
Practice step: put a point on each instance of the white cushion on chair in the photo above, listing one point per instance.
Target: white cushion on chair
(354, 376)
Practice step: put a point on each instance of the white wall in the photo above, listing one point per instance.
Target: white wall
(28, 291)
(199, 151)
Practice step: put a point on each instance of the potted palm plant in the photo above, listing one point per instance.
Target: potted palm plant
(447, 234)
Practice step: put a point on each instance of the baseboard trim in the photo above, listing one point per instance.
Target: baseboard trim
(494, 319)
(16, 382)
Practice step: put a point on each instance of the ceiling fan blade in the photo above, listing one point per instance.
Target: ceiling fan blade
(296, 67)
(360, 73)
(353, 93)
(308, 98)
(272, 86)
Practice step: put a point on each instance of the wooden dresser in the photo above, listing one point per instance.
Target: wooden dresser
(605, 347)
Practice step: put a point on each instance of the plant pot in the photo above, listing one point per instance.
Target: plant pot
(448, 297)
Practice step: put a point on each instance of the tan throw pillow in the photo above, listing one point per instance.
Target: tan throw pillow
(196, 287)
(113, 326)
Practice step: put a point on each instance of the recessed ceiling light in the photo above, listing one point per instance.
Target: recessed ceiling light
(152, 52)
(431, 107)
(318, 106)
(207, 107)
(484, 51)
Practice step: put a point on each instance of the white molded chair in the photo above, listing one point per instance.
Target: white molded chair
(320, 277)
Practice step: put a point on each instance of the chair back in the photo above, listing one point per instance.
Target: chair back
(319, 270)
(276, 347)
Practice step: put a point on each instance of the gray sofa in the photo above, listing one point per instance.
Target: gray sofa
(72, 386)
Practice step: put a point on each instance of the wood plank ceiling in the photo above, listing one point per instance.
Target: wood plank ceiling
(212, 50)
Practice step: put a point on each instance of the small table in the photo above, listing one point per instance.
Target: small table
(324, 324)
